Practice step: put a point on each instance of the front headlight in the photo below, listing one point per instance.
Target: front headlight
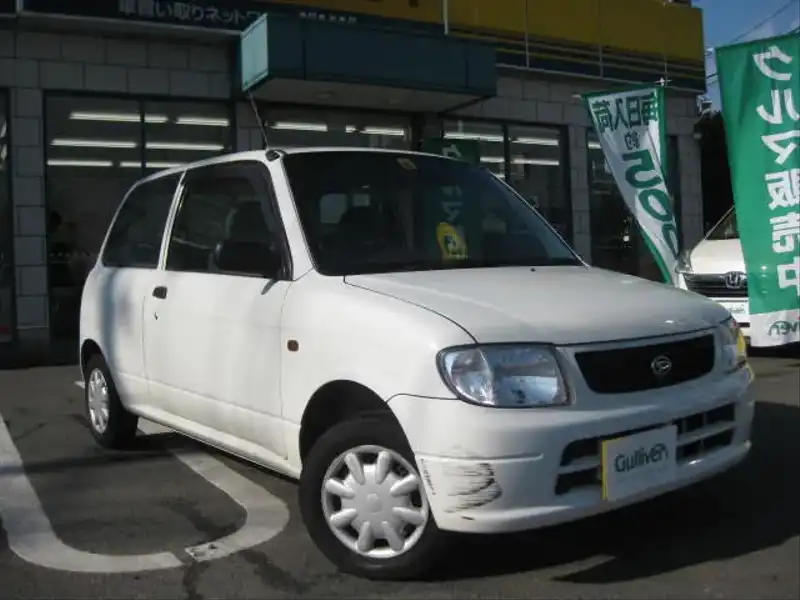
(505, 376)
(684, 263)
(734, 346)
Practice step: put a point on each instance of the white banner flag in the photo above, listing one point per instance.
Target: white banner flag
(631, 128)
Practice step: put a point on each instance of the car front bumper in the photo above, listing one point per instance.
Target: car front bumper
(489, 470)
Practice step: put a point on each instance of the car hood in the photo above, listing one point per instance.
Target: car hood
(559, 305)
(717, 256)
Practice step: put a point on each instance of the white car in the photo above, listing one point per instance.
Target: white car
(715, 268)
(411, 340)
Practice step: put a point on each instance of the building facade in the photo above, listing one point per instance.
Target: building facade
(91, 101)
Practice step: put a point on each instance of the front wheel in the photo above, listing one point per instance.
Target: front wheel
(364, 504)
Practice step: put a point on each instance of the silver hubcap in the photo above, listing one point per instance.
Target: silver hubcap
(373, 501)
(97, 400)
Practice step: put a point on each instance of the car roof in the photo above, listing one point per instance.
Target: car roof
(259, 155)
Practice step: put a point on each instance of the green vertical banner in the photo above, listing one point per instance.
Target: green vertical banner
(631, 128)
(760, 88)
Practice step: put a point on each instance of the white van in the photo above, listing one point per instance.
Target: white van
(715, 268)
(406, 336)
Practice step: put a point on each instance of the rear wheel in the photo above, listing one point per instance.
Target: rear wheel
(364, 503)
(112, 426)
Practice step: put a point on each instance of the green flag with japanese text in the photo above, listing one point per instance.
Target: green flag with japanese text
(760, 88)
(630, 125)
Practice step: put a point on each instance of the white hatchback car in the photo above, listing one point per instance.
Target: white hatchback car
(405, 335)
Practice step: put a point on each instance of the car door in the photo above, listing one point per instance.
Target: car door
(115, 291)
(212, 330)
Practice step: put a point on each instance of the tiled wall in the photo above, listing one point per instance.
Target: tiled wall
(33, 62)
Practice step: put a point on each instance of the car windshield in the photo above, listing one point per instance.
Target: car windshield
(726, 229)
(379, 212)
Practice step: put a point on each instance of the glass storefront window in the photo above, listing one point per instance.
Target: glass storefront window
(617, 242)
(320, 127)
(538, 172)
(6, 231)
(489, 137)
(178, 133)
(96, 149)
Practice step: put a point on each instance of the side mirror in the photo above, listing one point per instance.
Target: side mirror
(249, 258)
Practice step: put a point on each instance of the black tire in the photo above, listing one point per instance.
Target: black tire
(121, 428)
(368, 430)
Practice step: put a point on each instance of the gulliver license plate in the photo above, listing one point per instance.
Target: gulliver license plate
(635, 463)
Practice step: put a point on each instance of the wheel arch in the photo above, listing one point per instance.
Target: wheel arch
(89, 348)
(334, 402)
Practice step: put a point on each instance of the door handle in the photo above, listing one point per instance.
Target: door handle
(160, 292)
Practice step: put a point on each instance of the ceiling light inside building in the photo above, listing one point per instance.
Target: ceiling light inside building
(294, 126)
(114, 117)
(202, 121)
(383, 131)
(466, 135)
(56, 162)
(184, 146)
(541, 162)
(135, 164)
(376, 130)
(89, 143)
(536, 141)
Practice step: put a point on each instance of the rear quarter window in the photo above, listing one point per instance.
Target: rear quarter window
(135, 237)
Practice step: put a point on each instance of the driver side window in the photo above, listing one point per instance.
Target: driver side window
(223, 205)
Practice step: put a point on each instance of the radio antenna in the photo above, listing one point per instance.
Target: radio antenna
(259, 120)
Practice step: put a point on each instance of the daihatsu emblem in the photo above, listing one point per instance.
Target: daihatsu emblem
(661, 366)
(735, 280)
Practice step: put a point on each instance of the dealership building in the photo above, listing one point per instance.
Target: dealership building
(94, 95)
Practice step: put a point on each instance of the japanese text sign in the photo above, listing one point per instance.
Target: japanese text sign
(760, 88)
(630, 125)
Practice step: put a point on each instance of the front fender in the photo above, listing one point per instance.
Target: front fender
(347, 333)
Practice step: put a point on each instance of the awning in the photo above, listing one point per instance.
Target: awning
(287, 59)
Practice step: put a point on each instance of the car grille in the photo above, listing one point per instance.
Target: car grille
(699, 434)
(630, 369)
(714, 286)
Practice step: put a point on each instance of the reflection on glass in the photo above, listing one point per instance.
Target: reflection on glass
(617, 242)
(6, 266)
(370, 212)
(488, 136)
(319, 127)
(89, 142)
(537, 173)
(179, 133)
(96, 149)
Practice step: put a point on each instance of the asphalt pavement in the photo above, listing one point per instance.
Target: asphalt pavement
(171, 519)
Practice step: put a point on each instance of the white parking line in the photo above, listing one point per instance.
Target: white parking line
(266, 515)
(31, 536)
